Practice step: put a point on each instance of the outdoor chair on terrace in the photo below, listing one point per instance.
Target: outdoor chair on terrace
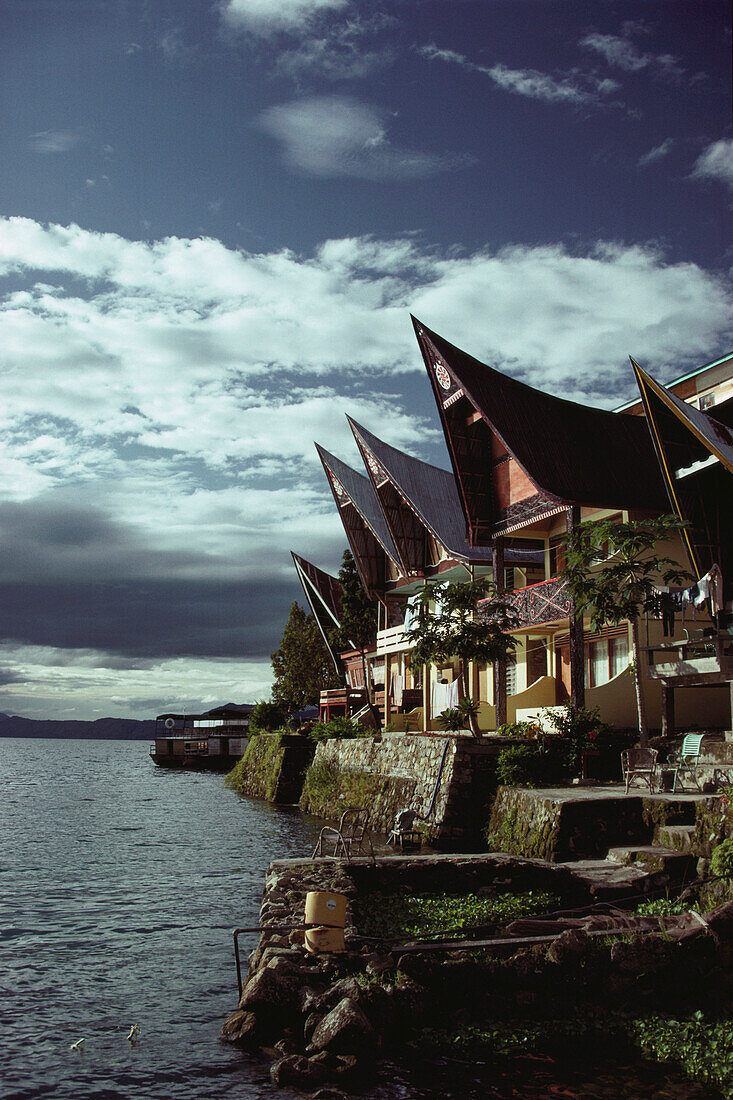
(684, 762)
(639, 764)
(349, 838)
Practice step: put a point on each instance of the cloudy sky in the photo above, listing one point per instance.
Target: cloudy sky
(216, 217)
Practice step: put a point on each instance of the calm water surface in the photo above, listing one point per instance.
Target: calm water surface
(120, 884)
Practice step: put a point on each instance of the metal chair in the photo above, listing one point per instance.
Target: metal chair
(404, 831)
(639, 764)
(684, 762)
(349, 838)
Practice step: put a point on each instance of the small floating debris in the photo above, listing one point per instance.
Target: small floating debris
(134, 1032)
(77, 1044)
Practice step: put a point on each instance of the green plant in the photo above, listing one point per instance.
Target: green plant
(519, 730)
(662, 907)
(424, 916)
(452, 629)
(266, 716)
(338, 728)
(531, 764)
(450, 720)
(613, 570)
(704, 1048)
(721, 861)
(579, 729)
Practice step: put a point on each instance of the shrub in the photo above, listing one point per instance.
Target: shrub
(339, 728)
(529, 765)
(266, 717)
(519, 730)
(721, 861)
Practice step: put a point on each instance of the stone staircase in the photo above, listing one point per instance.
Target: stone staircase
(664, 858)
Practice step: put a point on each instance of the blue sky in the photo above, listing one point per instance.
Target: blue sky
(215, 219)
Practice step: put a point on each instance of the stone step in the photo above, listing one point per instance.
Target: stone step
(677, 837)
(652, 857)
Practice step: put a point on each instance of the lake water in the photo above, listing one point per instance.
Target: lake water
(120, 884)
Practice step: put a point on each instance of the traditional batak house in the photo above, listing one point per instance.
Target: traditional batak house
(324, 593)
(529, 465)
(695, 454)
(405, 527)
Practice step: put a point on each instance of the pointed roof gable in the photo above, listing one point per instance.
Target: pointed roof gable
(695, 454)
(366, 530)
(323, 593)
(566, 453)
(416, 496)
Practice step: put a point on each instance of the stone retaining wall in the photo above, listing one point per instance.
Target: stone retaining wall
(400, 772)
(272, 767)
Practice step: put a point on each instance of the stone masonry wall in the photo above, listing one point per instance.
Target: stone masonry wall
(400, 772)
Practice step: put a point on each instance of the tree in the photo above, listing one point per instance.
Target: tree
(453, 629)
(358, 628)
(613, 569)
(302, 665)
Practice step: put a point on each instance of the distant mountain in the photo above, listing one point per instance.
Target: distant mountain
(103, 729)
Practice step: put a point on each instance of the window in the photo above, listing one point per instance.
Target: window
(598, 662)
(619, 654)
(511, 675)
(707, 401)
(557, 555)
(606, 658)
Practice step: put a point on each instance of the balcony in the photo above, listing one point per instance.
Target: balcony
(392, 640)
(545, 602)
(699, 659)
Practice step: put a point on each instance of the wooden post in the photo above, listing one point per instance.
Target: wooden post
(577, 647)
(500, 663)
(667, 709)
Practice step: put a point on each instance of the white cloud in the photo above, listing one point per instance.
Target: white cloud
(339, 52)
(265, 17)
(659, 152)
(528, 82)
(53, 141)
(157, 425)
(338, 136)
(79, 684)
(716, 162)
(623, 54)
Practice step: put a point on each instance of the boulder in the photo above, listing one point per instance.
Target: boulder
(568, 948)
(274, 988)
(345, 1028)
(240, 1027)
(296, 1069)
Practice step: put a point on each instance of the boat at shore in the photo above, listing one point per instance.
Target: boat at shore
(212, 741)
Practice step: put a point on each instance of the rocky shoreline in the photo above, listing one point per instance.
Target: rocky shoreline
(324, 1020)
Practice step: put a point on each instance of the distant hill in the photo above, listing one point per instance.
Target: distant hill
(103, 729)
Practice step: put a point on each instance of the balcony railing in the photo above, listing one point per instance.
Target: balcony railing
(392, 640)
(544, 602)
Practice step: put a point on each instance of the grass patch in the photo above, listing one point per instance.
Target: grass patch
(430, 916)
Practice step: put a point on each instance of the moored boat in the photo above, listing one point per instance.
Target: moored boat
(213, 741)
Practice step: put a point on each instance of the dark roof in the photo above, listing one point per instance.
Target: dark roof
(361, 494)
(323, 593)
(699, 490)
(430, 491)
(365, 527)
(575, 453)
(714, 436)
